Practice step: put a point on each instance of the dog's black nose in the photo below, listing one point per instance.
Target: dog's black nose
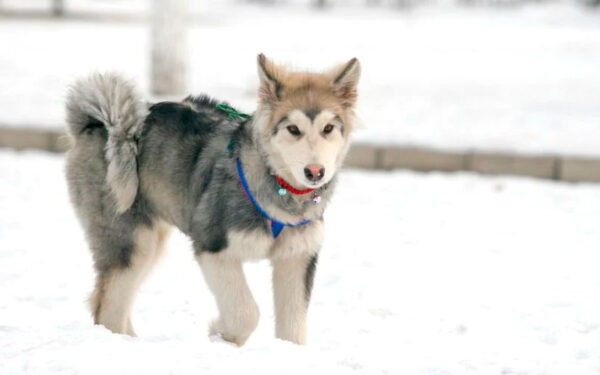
(314, 172)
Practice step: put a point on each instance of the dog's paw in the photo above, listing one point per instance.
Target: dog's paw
(218, 338)
(129, 329)
(218, 331)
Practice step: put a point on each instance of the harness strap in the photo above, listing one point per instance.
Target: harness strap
(276, 225)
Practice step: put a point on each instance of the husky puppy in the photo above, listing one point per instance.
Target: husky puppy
(241, 187)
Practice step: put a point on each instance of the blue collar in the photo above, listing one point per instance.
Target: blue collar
(276, 225)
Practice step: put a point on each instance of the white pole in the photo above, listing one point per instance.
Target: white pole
(58, 7)
(169, 47)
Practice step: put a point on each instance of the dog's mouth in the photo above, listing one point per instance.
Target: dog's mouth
(299, 179)
(315, 184)
(302, 183)
(318, 184)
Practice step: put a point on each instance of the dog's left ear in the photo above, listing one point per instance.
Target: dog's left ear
(270, 76)
(345, 80)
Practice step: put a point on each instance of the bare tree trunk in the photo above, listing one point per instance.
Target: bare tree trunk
(169, 47)
(58, 7)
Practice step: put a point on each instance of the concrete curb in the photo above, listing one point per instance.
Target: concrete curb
(33, 138)
(385, 157)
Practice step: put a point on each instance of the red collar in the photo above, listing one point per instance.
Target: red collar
(292, 189)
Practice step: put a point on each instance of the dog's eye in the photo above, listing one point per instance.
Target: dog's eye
(328, 129)
(293, 129)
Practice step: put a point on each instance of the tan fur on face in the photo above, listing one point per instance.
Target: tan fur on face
(284, 93)
(305, 91)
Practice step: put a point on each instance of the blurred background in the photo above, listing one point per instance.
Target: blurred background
(420, 273)
(507, 76)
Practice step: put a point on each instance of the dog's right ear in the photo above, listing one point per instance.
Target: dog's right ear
(270, 75)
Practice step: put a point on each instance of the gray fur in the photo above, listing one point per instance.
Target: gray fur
(115, 103)
(178, 153)
(131, 166)
(312, 113)
(309, 276)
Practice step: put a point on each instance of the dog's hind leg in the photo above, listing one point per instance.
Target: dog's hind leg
(238, 311)
(292, 286)
(116, 287)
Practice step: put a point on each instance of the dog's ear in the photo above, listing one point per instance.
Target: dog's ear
(270, 76)
(345, 80)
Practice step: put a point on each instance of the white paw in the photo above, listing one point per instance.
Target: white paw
(235, 331)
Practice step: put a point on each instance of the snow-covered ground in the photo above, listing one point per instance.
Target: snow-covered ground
(523, 79)
(420, 274)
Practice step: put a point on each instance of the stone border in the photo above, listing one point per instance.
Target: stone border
(33, 138)
(554, 167)
(385, 157)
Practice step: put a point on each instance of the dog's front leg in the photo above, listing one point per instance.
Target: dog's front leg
(238, 311)
(292, 285)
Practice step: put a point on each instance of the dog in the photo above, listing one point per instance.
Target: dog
(241, 187)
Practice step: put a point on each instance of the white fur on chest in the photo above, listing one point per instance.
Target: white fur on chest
(297, 241)
(292, 241)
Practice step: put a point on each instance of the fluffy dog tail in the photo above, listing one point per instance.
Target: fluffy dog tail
(110, 101)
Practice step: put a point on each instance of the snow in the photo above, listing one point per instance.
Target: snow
(420, 274)
(516, 79)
